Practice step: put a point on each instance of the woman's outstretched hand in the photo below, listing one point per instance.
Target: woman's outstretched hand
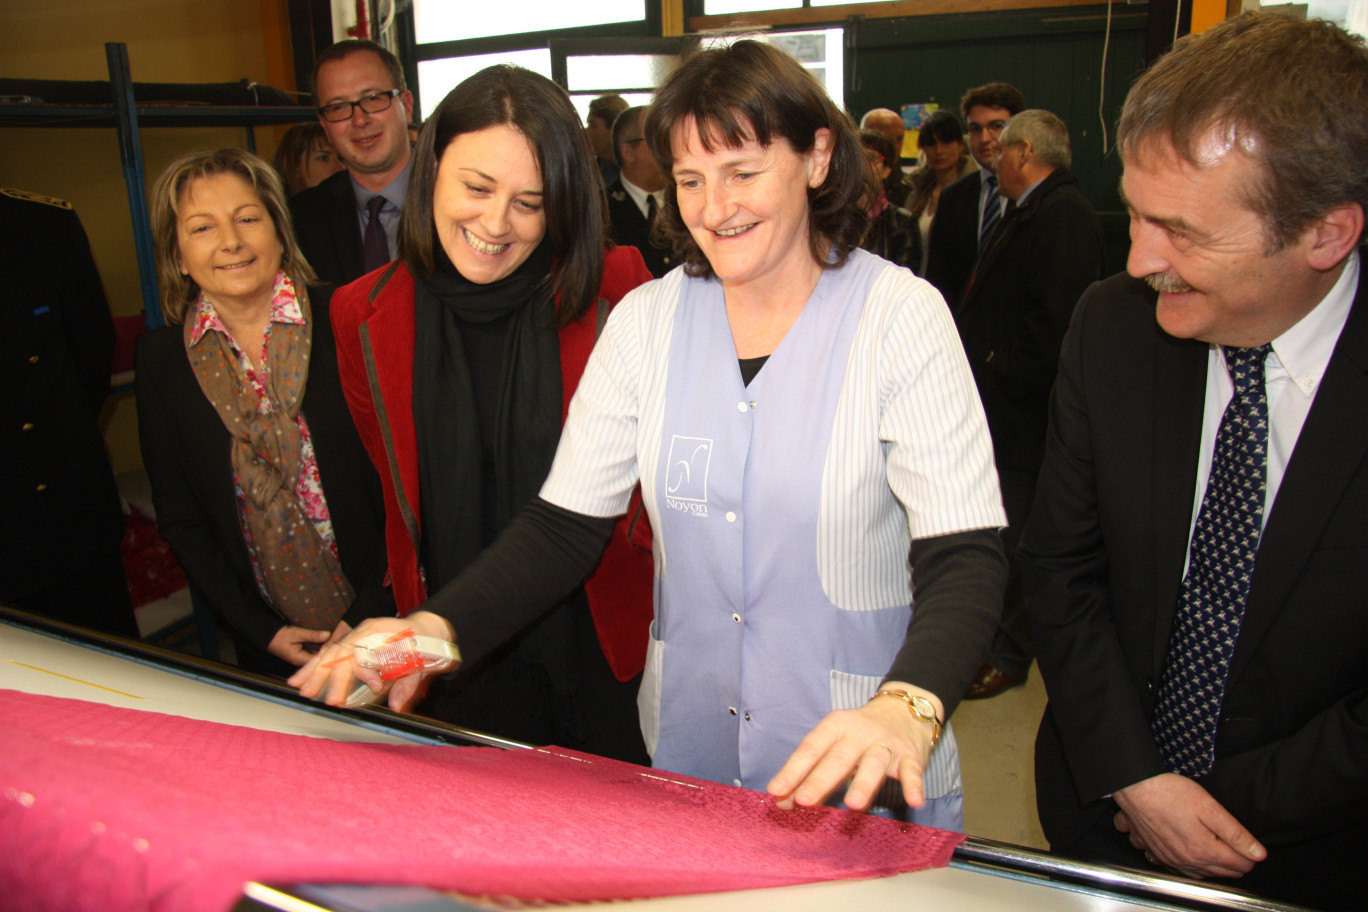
(333, 672)
(880, 740)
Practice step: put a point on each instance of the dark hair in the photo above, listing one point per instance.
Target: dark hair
(572, 192)
(1287, 94)
(344, 49)
(298, 143)
(993, 95)
(178, 291)
(943, 126)
(755, 91)
(629, 119)
(881, 143)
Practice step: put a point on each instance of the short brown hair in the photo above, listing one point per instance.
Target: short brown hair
(629, 119)
(572, 191)
(993, 95)
(752, 90)
(607, 108)
(179, 291)
(344, 49)
(1288, 94)
(298, 143)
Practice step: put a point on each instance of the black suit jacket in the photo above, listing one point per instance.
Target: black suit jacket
(1016, 308)
(629, 228)
(185, 448)
(1103, 557)
(953, 246)
(328, 230)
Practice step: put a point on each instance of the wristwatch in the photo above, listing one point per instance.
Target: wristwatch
(921, 708)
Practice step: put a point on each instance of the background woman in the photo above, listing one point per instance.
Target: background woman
(458, 362)
(892, 230)
(801, 418)
(260, 482)
(304, 158)
(947, 160)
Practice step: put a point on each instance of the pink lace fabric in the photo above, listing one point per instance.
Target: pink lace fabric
(111, 809)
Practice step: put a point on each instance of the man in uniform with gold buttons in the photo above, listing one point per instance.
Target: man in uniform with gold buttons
(59, 543)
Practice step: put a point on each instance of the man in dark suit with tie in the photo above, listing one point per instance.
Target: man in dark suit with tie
(635, 195)
(970, 208)
(1047, 250)
(347, 225)
(1196, 562)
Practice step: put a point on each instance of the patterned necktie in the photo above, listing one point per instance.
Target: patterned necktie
(992, 209)
(374, 246)
(652, 208)
(1225, 542)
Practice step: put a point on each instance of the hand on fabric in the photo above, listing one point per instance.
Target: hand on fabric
(288, 643)
(1177, 824)
(332, 671)
(879, 740)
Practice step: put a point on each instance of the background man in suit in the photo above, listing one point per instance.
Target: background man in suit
(63, 521)
(346, 225)
(1196, 561)
(1046, 252)
(970, 208)
(637, 194)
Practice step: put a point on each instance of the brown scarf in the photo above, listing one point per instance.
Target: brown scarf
(304, 581)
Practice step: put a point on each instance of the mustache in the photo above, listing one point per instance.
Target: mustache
(1167, 283)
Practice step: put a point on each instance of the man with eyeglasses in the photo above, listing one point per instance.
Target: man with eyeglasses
(970, 208)
(638, 193)
(347, 225)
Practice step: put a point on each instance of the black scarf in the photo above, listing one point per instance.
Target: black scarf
(484, 354)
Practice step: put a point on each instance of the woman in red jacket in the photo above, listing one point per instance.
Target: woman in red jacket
(458, 362)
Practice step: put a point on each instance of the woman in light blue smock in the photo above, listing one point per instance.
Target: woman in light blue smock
(809, 445)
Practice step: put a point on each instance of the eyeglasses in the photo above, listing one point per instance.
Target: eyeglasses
(994, 127)
(371, 104)
(632, 142)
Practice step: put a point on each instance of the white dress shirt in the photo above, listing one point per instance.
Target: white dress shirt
(1292, 374)
(639, 195)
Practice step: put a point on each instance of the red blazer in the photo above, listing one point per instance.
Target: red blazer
(373, 319)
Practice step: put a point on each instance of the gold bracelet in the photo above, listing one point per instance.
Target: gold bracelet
(921, 708)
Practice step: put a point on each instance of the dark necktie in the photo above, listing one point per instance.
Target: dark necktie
(1225, 542)
(652, 208)
(374, 245)
(992, 209)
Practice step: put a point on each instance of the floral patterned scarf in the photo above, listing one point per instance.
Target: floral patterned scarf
(302, 578)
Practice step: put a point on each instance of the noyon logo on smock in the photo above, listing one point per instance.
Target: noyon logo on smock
(686, 477)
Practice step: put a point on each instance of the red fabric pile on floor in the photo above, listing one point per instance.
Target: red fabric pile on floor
(113, 809)
(150, 566)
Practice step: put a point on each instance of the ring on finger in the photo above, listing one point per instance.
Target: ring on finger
(891, 756)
